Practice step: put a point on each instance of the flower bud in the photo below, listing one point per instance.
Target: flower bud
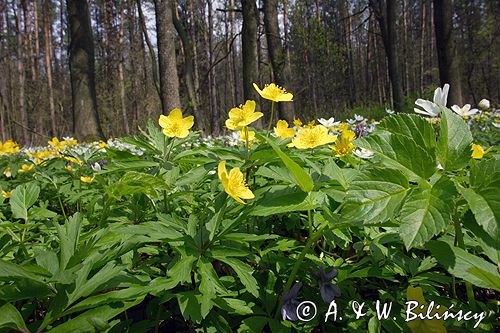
(484, 104)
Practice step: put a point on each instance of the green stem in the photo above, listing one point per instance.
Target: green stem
(272, 117)
(459, 241)
(169, 150)
(246, 140)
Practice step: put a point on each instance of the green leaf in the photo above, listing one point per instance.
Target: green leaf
(413, 127)
(375, 195)
(69, 235)
(190, 306)
(466, 266)
(11, 272)
(244, 273)
(279, 202)
(181, 271)
(455, 138)
(11, 318)
(23, 197)
(402, 153)
(302, 178)
(136, 182)
(426, 212)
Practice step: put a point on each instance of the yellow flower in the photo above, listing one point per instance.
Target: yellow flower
(478, 152)
(71, 142)
(57, 144)
(311, 124)
(274, 93)
(344, 145)
(312, 137)
(283, 131)
(234, 183)
(73, 159)
(243, 135)
(103, 145)
(242, 116)
(70, 169)
(343, 127)
(297, 122)
(9, 147)
(415, 297)
(7, 173)
(174, 125)
(6, 194)
(86, 179)
(26, 168)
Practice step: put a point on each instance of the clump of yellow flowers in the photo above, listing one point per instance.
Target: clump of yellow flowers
(175, 125)
(8, 147)
(344, 145)
(283, 131)
(311, 137)
(234, 183)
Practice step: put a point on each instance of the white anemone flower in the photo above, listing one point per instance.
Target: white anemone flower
(433, 108)
(351, 121)
(358, 118)
(389, 111)
(484, 104)
(464, 111)
(363, 153)
(497, 125)
(329, 122)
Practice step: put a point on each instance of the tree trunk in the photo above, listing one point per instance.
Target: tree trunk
(48, 66)
(275, 51)
(445, 45)
(385, 11)
(81, 65)
(169, 81)
(154, 63)
(21, 76)
(249, 49)
(234, 55)
(121, 62)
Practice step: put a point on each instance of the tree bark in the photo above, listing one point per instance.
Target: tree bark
(448, 61)
(21, 76)
(169, 81)
(275, 51)
(81, 64)
(249, 49)
(48, 67)
(385, 11)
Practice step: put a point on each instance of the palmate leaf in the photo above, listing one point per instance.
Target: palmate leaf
(462, 264)
(375, 195)
(244, 273)
(426, 212)
(454, 141)
(401, 152)
(23, 197)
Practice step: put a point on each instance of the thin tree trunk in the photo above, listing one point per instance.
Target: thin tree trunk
(208, 37)
(81, 64)
(121, 79)
(21, 76)
(154, 64)
(169, 81)
(48, 67)
(422, 48)
(37, 40)
(234, 56)
(446, 50)
(249, 49)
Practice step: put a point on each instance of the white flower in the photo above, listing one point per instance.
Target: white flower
(351, 121)
(328, 122)
(96, 167)
(439, 166)
(497, 125)
(433, 108)
(484, 104)
(390, 111)
(464, 111)
(363, 153)
(358, 118)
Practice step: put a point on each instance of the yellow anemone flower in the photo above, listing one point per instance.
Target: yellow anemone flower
(86, 179)
(71, 142)
(344, 145)
(297, 122)
(242, 116)
(274, 93)
(6, 194)
(174, 125)
(243, 135)
(311, 137)
(283, 131)
(7, 173)
(103, 145)
(9, 147)
(70, 168)
(73, 159)
(234, 183)
(26, 168)
(478, 152)
(57, 144)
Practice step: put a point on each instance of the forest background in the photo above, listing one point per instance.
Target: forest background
(104, 67)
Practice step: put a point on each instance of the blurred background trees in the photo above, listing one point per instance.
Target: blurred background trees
(337, 57)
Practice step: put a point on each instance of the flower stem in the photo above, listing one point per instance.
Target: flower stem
(459, 241)
(272, 117)
(169, 150)
(246, 140)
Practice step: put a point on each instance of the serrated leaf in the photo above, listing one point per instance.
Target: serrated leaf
(413, 127)
(466, 266)
(401, 152)
(375, 195)
(285, 201)
(23, 197)
(455, 138)
(426, 212)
